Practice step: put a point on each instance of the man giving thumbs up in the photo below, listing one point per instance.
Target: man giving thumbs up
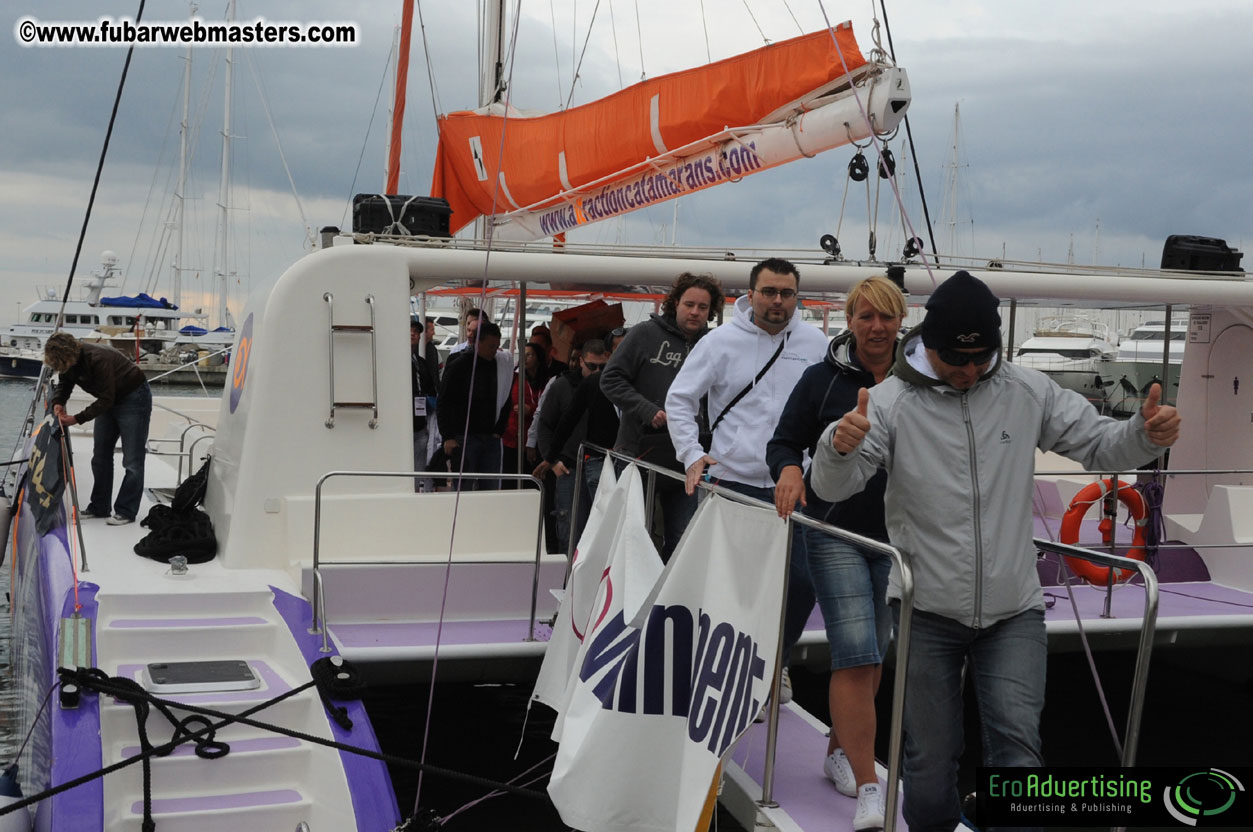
(956, 430)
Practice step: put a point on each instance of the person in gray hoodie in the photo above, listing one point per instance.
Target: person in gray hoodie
(639, 375)
(956, 429)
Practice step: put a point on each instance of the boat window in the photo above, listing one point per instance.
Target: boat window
(1159, 335)
(1062, 353)
(94, 319)
(71, 319)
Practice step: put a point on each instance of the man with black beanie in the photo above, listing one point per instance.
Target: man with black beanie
(956, 429)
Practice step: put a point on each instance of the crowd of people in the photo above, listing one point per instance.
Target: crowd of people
(925, 440)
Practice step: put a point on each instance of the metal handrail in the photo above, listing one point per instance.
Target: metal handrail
(191, 456)
(895, 744)
(1170, 472)
(319, 624)
(1148, 629)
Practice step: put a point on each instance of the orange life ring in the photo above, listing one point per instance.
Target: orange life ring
(1095, 493)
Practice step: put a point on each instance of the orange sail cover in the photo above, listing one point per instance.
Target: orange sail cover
(543, 156)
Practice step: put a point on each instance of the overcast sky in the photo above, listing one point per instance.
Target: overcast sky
(1130, 115)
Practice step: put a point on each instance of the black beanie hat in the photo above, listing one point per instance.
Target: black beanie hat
(962, 314)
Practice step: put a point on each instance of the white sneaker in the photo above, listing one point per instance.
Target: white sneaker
(869, 808)
(119, 520)
(785, 688)
(839, 772)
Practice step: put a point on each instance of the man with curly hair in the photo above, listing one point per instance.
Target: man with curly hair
(638, 377)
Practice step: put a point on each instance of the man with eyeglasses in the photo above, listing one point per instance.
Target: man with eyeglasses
(956, 429)
(747, 368)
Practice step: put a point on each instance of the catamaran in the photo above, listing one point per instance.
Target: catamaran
(315, 563)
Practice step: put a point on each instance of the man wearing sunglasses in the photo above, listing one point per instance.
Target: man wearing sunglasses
(956, 429)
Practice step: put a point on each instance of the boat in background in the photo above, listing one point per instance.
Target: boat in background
(1139, 363)
(1071, 350)
(157, 334)
(156, 323)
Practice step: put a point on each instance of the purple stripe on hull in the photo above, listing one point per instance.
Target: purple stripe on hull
(422, 634)
(249, 800)
(72, 757)
(237, 746)
(373, 800)
(271, 686)
(174, 623)
(800, 787)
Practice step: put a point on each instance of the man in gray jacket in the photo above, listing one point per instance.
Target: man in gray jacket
(956, 430)
(639, 375)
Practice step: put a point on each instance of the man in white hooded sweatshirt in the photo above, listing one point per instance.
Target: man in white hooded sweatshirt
(748, 367)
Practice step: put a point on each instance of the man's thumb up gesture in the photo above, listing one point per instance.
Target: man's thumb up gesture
(1161, 422)
(853, 426)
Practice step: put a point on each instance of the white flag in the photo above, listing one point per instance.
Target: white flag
(576, 604)
(658, 702)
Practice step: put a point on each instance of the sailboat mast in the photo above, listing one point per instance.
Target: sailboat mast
(181, 195)
(492, 73)
(391, 110)
(224, 186)
(398, 101)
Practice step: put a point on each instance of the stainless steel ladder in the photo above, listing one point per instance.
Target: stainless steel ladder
(374, 363)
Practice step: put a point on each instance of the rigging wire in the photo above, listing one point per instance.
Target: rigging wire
(583, 54)
(753, 18)
(705, 25)
(269, 117)
(152, 185)
(799, 28)
(926, 261)
(552, 14)
(613, 29)
(456, 508)
(366, 141)
(95, 184)
(913, 149)
(436, 106)
(639, 37)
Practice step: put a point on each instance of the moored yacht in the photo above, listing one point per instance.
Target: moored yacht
(1070, 350)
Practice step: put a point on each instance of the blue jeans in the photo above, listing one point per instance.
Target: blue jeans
(482, 455)
(564, 500)
(677, 508)
(1007, 666)
(128, 420)
(800, 589)
(851, 587)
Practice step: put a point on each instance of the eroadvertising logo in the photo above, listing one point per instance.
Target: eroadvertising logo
(1159, 796)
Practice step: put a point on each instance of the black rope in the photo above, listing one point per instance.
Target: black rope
(913, 150)
(128, 690)
(104, 151)
(14, 462)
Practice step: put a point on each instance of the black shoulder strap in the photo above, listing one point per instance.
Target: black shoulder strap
(760, 374)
